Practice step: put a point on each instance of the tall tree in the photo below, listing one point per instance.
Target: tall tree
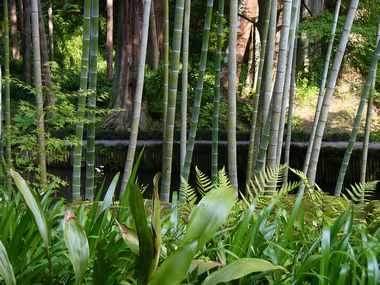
(7, 111)
(77, 163)
(167, 154)
(330, 90)
(14, 34)
(109, 39)
(138, 96)
(39, 95)
(26, 58)
(92, 80)
(51, 29)
(232, 161)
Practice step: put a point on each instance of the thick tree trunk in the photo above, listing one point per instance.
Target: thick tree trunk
(14, 35)
(109, 39)
(26, 42)
(131, 21)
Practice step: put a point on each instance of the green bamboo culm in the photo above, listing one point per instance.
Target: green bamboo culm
(367, 131)
(7, 109)
(215, 112)
(263, 52)
(91, 103)
(322, 88)
(137, 98)
(285, 97)
(185, 67)
(2, 176)
(278, 91)
(198, 93)
(312, 170)
(167, 156)
(166, 60)
(76, 187)
(39, 95)
(231, 127)
(355, 129)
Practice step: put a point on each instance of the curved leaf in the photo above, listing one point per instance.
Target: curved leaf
(240, 268)
(6, 269)
(107, 201)
(77, 244)
(35, 207)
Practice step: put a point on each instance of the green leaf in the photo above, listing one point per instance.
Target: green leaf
(240, 268)
(107, 201)
(156, 224)
(6, 269)
(144, 233)
(203, 266)
(35, 207)
(77, 244)
(209, 214)
(129, 237)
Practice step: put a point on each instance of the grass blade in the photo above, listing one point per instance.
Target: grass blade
(6, 269)
(238, 269)
(35, 207)
(107, 201)
(77, 244)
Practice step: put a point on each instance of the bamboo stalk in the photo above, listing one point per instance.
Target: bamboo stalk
(166, 60)
(330, 90)
(363, 166)
(185, 65)
(216, 99)
(93, 74)
(355, 129)
(39, 95)
(77, 164)
(322, 88)
(172, 95)
(198, 93)
(232, 163)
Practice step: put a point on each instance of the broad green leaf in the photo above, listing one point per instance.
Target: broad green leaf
(372, 267)
(144, 233)
(173, 270)
(6, 269)
(325, 255)
(35, 207)
(209, 214)
(107, 201)
(77, 244)
(129, 237)
(240, 268)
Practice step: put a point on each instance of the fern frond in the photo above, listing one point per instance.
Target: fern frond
(361, 192)
(189, 193)
(266, 182)
(223, 180)
(203, 182)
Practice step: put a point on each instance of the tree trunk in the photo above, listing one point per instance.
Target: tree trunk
(153, 40)
(26, 58)
(39, 95)
(109, 39)
(128, 51)
(14, 35)
(49, 98)
(50, 27)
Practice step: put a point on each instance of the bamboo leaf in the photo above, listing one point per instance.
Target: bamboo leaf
(144, 233)
(35, 207)
(240, 268)
(6, 269)
(77, 244)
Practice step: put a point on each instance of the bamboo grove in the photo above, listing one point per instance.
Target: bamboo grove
(273, 95)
